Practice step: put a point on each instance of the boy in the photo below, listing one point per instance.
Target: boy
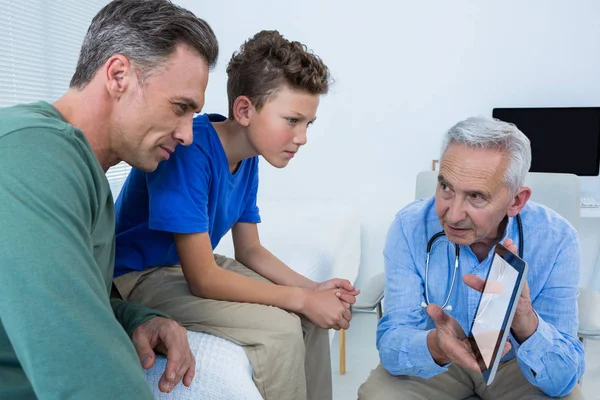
(178, 214)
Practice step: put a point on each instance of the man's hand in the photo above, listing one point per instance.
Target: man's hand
(325, 309)
(169, 338)
(447, 342)
(525, 321)
(347, 293)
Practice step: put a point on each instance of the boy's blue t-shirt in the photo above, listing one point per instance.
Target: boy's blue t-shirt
(191, 192)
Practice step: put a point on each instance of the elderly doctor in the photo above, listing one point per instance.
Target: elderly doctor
(480, 201)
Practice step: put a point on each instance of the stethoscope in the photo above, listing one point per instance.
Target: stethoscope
(430, 243)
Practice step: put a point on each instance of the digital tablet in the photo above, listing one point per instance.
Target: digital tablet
(496, 309)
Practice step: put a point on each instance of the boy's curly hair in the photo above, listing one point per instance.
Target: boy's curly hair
(268, 61)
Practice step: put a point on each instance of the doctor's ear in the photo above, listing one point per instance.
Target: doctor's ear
(519, 200)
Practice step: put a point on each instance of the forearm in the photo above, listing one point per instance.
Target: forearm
(264, 263)
(131, 315)
(66, 329)
(404, 350)
(221, 284)
(206, 279)
(550, 360)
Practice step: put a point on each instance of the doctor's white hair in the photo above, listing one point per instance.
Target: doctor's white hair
(486, 133)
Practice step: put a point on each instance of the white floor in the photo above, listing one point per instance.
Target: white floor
(362, 357)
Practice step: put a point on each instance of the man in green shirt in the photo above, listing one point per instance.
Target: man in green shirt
(141, 76)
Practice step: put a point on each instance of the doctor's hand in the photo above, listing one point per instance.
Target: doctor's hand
(447, 342)
(525, 321)
(510, 246)
(325, 309)
(169, 338)
(347, 293)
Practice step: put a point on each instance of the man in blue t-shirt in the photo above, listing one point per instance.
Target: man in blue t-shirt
(169, 222)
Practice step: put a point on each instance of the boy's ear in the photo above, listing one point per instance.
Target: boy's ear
(242, 110)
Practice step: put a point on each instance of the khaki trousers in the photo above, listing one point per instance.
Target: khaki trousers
(289, 354)
(455, 384)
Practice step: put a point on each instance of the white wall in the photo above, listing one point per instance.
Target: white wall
(406, 71)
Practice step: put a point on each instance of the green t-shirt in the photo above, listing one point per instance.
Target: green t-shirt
(60, 336)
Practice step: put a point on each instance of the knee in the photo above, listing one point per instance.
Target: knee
(370, 391)
(286, 328)
(317, 333)
(376, 387)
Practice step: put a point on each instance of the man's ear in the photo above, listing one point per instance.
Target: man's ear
(519, 201)
(242, 110)
(118, 73)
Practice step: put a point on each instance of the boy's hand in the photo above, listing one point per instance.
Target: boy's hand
(326, 310)
(347, 293)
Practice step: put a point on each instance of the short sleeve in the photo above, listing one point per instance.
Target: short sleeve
(178, 192)
(251, 213)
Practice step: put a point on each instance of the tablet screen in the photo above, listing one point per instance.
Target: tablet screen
(494, 305)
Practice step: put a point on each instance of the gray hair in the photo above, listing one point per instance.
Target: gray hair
(494, 134)
(144, 31)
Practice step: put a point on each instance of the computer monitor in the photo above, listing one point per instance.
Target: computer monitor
(563, 140)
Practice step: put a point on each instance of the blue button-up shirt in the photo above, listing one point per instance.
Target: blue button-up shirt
(552, 358)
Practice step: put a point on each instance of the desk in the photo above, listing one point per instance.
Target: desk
(589, 237)
(590, 212)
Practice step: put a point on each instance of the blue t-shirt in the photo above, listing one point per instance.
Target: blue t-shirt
(193, 191)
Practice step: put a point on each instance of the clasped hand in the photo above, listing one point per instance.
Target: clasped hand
(328, 304)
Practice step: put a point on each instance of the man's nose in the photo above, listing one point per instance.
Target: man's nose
(183, 132)
(456, 211)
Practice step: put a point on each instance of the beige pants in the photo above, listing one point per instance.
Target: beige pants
(455, 384)
(289, 354)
